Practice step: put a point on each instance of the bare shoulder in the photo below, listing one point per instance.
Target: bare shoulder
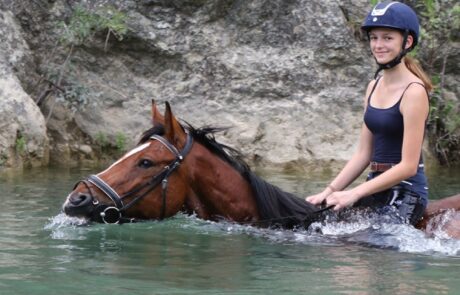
(415, 91)
(415, 98)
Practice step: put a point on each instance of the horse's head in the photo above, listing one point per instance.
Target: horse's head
(146, 183)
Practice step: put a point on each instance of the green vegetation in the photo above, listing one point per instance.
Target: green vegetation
(101, 141)
(83, 27)
(105, 145)
(84, 24)
(120, 142)
(20, 144)
(440, 21)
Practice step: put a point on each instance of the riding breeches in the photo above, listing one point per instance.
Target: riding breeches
(407, 204)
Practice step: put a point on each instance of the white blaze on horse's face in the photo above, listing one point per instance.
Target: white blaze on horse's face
(127, 155)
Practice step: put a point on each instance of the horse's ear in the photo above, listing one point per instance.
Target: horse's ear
(173, 130)
(157, 117)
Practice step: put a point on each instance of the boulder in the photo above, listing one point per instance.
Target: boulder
(23, 137)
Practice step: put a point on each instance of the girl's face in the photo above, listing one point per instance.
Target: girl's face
(386, 44)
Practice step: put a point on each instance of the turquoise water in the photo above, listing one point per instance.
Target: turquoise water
(44, 252)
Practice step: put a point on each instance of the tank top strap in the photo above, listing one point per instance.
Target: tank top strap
(407, 87)
(372, 91)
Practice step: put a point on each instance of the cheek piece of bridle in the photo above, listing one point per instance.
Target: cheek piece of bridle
(114, 214)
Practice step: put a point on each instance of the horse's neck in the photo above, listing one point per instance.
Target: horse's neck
(218, 190)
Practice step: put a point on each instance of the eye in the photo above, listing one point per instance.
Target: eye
(144, 163)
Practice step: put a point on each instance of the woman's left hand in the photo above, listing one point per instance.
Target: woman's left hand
(342, 199)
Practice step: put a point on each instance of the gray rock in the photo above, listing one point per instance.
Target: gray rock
(285, 75)
(288, 77)
(23, 138)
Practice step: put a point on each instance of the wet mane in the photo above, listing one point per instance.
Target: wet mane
(276, 207)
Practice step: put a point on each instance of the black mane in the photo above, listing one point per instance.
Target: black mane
(276, 207)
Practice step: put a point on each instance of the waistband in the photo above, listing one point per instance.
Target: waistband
(382, 167)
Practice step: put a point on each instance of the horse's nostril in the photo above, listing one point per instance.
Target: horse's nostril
(79, 200)
(79, 204)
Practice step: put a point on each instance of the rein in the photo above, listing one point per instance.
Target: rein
(114, 214)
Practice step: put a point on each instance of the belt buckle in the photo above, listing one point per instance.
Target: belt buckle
(374, 166)
(380, 167)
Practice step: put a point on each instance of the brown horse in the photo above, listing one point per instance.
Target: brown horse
(185, 169)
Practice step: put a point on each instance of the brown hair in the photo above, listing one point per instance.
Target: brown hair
(414, 66)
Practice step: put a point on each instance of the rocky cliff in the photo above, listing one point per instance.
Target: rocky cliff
(22, 126)
(288, 77)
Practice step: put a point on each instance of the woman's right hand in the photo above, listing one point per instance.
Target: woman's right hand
(318, 199)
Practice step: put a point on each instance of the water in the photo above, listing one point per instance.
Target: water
(44, 252)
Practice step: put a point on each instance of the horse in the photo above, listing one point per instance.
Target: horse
(176, 168)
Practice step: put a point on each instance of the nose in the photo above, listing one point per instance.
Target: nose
(79, 204)
(79, 199)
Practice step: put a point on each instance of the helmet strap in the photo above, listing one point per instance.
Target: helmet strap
(397, 60)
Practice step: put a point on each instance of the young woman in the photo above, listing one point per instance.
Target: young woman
(396, 110)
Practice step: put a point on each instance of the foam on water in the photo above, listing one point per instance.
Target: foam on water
(63, 227)
(63, 220)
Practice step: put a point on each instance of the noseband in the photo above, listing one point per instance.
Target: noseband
(114, 214)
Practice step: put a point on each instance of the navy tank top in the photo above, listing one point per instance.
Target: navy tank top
(387, 127)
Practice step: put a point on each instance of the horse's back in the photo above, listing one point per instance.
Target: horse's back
(437, 207)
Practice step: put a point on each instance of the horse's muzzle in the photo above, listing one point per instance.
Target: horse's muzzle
(79, 205)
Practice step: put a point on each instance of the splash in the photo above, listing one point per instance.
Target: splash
(360, 228)
(63, 220)
(63, 227)
(353, 228)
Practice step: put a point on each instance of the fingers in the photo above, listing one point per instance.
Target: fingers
(339, 201)
(315, 199)
(310, 199)
(331, 203)
(337, 207)
(335, 202)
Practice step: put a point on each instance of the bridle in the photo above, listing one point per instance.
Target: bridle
(115, 213)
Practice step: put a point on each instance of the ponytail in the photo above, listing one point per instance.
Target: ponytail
(414, 66)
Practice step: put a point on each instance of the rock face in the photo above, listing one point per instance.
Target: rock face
(288, 77)
(23, 137)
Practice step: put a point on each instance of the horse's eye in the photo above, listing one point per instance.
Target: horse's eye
(144, 163)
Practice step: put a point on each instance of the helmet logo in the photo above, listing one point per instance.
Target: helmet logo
(375, 19)
(381, 11)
